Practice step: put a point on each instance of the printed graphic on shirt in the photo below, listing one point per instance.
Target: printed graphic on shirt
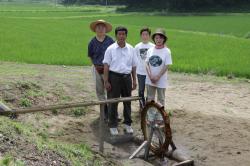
(143, 53)
(155, 61)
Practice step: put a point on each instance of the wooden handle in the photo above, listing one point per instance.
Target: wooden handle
(7, 110)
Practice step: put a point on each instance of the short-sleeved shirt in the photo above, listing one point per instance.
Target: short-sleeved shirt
(120, 60)
(141, 53)
(157, 59)
(96, 49)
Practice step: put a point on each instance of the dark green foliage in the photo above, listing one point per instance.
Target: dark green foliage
(173, 5)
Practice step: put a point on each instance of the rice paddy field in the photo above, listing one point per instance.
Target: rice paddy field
(217, 44)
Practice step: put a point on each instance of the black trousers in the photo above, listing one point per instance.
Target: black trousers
(121, 86)
(141, 90)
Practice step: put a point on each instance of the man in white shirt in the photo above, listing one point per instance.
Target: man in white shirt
(120, 77)
(141, 53)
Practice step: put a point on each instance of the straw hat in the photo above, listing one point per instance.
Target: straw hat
(161, 32)
(95, 23)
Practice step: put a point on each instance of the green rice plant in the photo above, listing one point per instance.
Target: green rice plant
(211, 44)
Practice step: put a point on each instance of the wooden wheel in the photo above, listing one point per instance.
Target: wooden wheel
(158, 147)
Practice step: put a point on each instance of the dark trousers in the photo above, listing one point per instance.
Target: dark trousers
(106, 113)
(141, 90)
(121, 86)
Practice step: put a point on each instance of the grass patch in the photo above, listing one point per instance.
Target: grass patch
(54, 112)
(78, 154)
(214, 44)
(247, 35)
(25, 102)
(79, 112)
(35, 93)
(8, 160)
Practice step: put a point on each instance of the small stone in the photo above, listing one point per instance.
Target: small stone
(238, 152)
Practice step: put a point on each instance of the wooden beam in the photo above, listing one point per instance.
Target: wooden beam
(101, 128)
(138, 150)
(185, 163)
(67, 105)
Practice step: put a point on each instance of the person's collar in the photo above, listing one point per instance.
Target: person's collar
(159, 47)
(117, 46)
(97, 38)
(145, 42)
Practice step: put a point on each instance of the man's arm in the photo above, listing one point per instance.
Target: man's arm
(133, 72)
(106, 77)
(90, 51)
(134, 78)
(106, 63)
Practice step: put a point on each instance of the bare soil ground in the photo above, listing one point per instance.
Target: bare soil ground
(210, 115)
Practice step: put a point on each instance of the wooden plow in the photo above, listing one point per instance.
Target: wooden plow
(162, 147)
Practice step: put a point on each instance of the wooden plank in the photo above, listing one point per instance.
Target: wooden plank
(68, 105)
(146, 154)
(138, 150)
(185, 163)
(101, 128)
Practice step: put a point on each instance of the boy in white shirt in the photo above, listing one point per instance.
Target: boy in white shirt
(157, 64)
(141, 53)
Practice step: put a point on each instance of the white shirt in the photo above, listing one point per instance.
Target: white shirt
(120, 60)
(141, 53)
(157, 59)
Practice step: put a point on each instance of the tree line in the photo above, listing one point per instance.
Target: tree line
(170, 5)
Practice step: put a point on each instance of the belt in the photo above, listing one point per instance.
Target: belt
(119, 74)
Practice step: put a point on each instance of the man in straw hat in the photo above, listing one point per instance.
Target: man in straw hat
(157, 63)
(96, 49)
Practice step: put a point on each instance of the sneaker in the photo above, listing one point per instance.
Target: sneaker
(128, 129)
(113, 131)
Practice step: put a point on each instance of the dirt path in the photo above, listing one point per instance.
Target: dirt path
(211, 118)
(210, 115)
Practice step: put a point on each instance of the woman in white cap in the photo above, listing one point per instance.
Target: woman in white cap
(96, 50)
(157, 64)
